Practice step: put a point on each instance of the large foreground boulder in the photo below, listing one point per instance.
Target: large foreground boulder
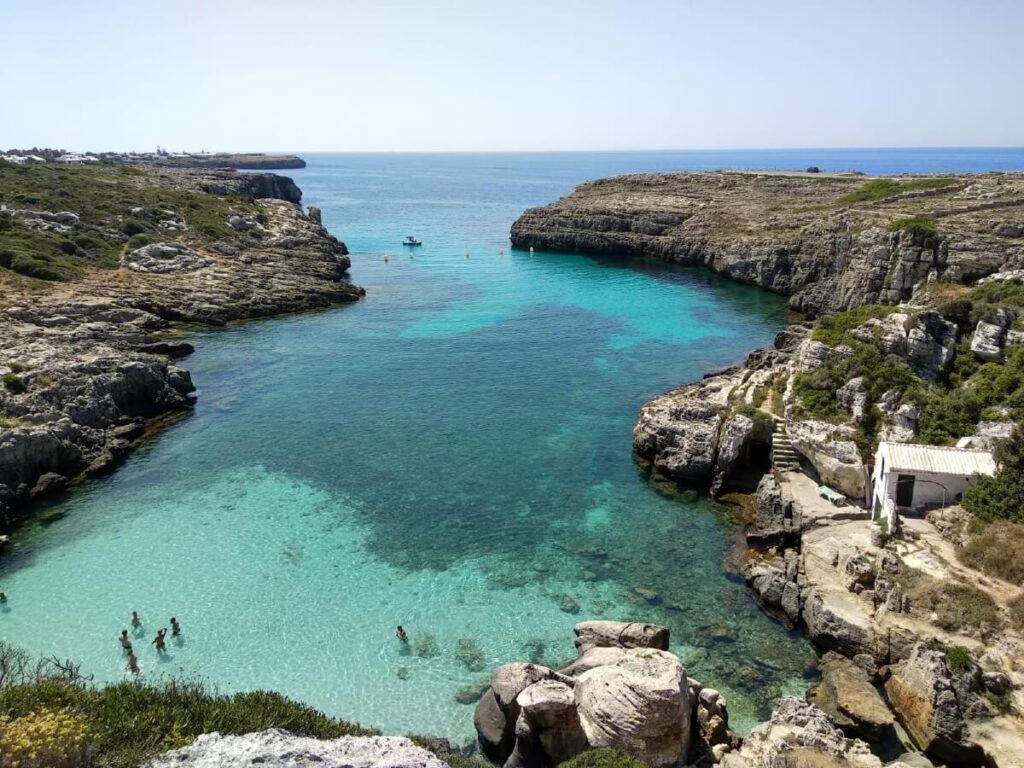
(280, 748)
(639, 705)
(624, 691)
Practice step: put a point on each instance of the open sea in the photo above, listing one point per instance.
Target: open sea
(451, 454)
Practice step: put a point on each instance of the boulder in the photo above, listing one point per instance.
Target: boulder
(639, 705)
(838, 621)
(497, 711)
(280, 748)
(924, 696)
(548, 722)
(847, 695)
(619, 634)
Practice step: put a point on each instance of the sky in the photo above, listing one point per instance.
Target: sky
(481, 75)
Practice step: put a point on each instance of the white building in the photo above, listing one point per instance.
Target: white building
(911, 477)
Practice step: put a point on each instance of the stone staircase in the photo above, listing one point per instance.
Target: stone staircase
(784, 455)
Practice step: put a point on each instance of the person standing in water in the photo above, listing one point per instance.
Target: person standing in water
(133, 663)
(136, 621)
(175, 627)
(126, 643)
(160, 642)
(401, 634)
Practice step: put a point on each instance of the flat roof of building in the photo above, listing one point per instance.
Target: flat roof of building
(937, 459)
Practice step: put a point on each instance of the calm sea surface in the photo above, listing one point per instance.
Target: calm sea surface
(451, 454)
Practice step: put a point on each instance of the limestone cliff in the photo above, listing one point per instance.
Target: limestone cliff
(84, 363)
(796, 234)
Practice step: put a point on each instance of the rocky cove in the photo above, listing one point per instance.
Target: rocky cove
(837, 581)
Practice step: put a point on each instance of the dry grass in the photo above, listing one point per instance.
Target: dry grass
(1016, 609)
(997, 550)
(959, 608)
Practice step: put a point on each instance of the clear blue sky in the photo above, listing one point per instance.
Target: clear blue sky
(380, 75)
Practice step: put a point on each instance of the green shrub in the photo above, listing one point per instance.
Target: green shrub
(834, 329)
(130, 722)
(958, 659)
(13, 383)
(1001, 497)
(915, 225)
(134, 227)
(604, 757)
(878, 189)
(139, 240)
(762, 420)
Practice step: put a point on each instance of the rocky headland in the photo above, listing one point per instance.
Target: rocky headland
(916, 287)
(88, 356)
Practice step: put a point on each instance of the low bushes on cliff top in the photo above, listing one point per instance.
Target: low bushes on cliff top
(103, 197)
(917, 225)
(835, 329)
(998, 550)
(878, 189)
(131, 721)
(603, 758)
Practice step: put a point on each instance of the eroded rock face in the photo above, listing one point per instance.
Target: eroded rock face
(925, 697)
(800, 735)
(280, 748)
(847, 695)
(165, 258)
(756, 229)
(834, 454)
(498, 710)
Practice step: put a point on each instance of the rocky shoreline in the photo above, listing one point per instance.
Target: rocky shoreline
(854, 588)
(87, 363)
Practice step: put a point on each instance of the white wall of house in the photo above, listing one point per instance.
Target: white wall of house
(929, 488)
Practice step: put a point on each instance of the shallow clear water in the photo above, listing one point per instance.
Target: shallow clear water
(451, 454)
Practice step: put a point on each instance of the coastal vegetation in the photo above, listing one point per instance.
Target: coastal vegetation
(47, 708)
(1001, 497)
(879, 189)
(62, 220)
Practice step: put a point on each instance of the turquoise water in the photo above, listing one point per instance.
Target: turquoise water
(451, 454)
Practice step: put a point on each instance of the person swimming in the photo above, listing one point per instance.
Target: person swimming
(401, 634)
(3, 597)
(133, 664)
(126, 643)
(136, 621)
(160, 641)
(175, 627)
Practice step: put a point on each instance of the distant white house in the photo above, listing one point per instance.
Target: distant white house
(911, 477)
(75, 157)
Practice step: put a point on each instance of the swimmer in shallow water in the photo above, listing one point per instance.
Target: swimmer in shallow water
(133, 664)
(175, 627)
(401, 634)
(126, 643)
(160, 641)
(136, 621)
